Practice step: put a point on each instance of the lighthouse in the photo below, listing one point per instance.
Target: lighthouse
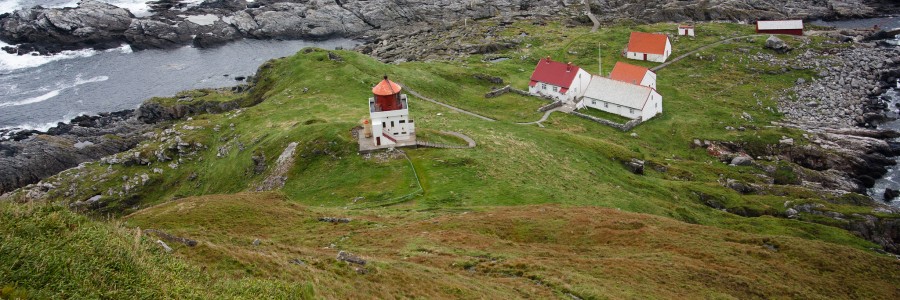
(389, 123)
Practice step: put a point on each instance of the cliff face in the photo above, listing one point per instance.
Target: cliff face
(98, 25)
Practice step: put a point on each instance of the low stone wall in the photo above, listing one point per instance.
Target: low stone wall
(550, 106)
(498, 92)
(510, 89)
(623, 127)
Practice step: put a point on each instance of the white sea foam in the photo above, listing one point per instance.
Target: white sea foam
(10, 62)
(8, 5)
(49, 95)
(42, 126)
(137, 7)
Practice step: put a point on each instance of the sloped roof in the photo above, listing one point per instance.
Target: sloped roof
(776, 25)
(555, 73)
(628, 73)
(617, 92)
(652, 43)
(386, 88)
(685, 26)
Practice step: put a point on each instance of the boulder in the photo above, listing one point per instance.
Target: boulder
(890, 194)
(742, 160)
(777, 44)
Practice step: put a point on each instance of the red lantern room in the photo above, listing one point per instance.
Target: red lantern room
(387, 95)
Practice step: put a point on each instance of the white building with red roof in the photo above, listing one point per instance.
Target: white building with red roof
(557, 80)
(633, 74)
(622, 98)
(653, 47)
(389, 124)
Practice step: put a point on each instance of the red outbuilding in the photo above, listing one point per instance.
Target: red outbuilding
(793, 27)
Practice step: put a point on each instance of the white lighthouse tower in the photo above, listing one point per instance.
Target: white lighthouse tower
(389, 124)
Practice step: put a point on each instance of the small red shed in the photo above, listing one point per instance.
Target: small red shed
(793, 27)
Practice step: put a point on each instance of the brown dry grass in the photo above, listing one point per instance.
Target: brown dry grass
(541, 251)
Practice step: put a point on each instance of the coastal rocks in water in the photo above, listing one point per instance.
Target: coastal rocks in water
(843, 93)
(777, 44)
(89, 138)
(890, 194)
(92, 24)
(99, 25)
(151, 34)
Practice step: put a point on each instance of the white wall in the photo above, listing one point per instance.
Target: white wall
(652, 107)
(612, 108)
(649, 80)
(689, 31)
(546, 89)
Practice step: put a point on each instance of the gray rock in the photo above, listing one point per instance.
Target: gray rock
(777, 44)
(742, 161)
(350, 258)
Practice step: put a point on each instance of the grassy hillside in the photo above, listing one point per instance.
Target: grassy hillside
(540, 251)
(465, 234)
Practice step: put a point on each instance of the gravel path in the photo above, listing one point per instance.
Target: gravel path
(453, 108)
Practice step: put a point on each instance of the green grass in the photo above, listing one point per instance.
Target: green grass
(571, 162)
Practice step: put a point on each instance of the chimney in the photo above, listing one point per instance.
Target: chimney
(548, 59)
(569, 67)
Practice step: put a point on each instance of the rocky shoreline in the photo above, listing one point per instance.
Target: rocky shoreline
(98, 25)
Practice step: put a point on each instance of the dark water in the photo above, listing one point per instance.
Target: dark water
(884, 23)
(35, 93)
(892, 178)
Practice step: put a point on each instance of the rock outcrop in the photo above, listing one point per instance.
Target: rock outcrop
(98, 25)
(92, 24)
(85, 138)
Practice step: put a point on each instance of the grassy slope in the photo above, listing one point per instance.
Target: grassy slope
(514, 252)
(571, 162)
(49, 252)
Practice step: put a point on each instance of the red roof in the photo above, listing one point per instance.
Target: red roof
(555, 73)
(628, 73)
(386, 88)
(652, 43)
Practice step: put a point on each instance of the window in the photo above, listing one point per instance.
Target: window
(395, 133)
(593, 102)
(402, 121)
(410, 121)
(630, 111)
(555, 89)
(403, 132)
(383, 125)
(392, 124)
(543, 86)
(606, 104)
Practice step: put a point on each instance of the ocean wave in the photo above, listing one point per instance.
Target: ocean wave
(9, 62)
(53, 93)
(41, 126)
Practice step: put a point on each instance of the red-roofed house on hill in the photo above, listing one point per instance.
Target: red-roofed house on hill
(634, 75)
(557, 80)
(653, 47)
(794, 27)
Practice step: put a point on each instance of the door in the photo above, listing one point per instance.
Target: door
(377, 141)
(645, 56)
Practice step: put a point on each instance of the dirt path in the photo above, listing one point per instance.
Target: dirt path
(453, 108)
(543, 118)
(587, 11)
(470, 143)
(674, 60)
